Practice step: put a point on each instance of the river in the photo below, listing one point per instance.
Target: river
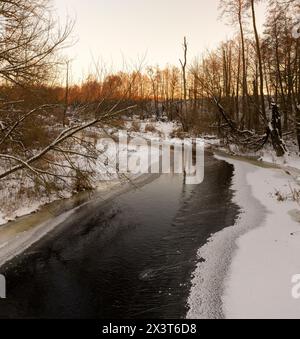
(129, 257)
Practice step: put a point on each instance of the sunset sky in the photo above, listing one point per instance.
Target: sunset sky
(152, 30)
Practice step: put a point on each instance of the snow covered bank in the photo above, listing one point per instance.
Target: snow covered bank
(258, 284)
(290, 160)
(205, 299)
(2, 220)
(19, 235)
(15, 241)
(248, 267)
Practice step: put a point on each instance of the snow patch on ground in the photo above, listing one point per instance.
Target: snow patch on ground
(152, 129)
(267, 154)
(259, 281)
(248, 267)
(2, 220)
(289, 160)
(19, 196)
(17, 242)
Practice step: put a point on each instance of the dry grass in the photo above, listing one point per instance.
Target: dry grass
(135, 127)
(293, 195)
(119, 124)
(150, 129)
(178, 133)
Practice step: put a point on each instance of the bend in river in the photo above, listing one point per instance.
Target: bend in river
(129, 257)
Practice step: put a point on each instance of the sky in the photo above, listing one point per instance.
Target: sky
(151, 31)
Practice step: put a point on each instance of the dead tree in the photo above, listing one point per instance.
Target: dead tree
(275, 130)
(184, 109)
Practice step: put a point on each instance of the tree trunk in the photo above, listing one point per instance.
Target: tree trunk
(184, 111)
(261, 75)
(276, 132)
(245, 84)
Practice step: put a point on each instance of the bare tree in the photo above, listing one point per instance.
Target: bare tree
(30, 40)
(29, 47)
(66, 92)
(259, 56)
(60, 144)
(184, 110)
(234, 10)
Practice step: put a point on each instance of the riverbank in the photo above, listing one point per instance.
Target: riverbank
(259, 280)
(246, 270)
(16, 236)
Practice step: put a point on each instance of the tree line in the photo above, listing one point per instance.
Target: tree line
(246, 75)
(247, 90)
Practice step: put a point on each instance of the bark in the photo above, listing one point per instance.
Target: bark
(276, 132)
(261, 75)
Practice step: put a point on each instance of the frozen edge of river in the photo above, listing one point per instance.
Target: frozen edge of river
(16, 237)
(248, 267)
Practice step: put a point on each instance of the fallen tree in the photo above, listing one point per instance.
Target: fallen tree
(249, 138)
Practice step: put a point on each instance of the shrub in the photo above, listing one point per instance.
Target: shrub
(150, 129)
(135, 127)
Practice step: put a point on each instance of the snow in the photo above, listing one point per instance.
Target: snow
(2, 220)
(288, 160)
(259, 280)
(13, 242)
(165, 128)
(19, 197)
(205, 300)
(248, 267)
(32, 207)
(161, 129)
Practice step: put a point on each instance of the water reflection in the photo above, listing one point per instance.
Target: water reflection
(131, 257)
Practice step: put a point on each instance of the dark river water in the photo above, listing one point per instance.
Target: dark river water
(130, 257)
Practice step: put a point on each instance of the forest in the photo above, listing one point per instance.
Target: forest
(245, 92)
